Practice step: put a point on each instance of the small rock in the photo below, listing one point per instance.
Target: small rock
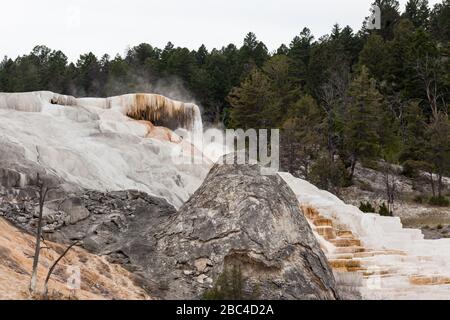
(75, 210)
(48, 229)
(201, 278)
(201, 264)
(22, 219)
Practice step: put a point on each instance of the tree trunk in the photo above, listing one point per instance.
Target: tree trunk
(390, 187)
(352, 167)
(432, 184)
(291, 154)
(42, 195)
(52, 268)
(439, 184)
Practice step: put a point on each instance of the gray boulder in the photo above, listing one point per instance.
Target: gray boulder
(74, 209)
(239, 217)
(10, 178)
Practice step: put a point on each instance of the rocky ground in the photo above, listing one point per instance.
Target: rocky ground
(436, 232)
(370, 186)
(99, 278)
(238, 217)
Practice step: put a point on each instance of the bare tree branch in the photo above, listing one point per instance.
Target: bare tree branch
(52, 268)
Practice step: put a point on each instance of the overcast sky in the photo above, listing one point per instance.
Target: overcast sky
(110, 26)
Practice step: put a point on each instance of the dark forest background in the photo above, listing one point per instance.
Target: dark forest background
(348, 97)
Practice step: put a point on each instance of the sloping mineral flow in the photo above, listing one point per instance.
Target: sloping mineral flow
(386, 260)
(116, 143)
(100, 279)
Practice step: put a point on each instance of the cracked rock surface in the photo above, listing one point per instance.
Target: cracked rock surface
(239, 216)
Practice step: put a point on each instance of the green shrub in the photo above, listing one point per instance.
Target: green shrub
(230, 286)
(365, 186)
(419, 199)
(371, 164)
(440, 201)
(329, 175)
(410, 169)
(384, 210)
(366, 207)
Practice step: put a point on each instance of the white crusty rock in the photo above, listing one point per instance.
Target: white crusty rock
(102, 144)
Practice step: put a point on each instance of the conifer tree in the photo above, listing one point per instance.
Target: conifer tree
(362, 120)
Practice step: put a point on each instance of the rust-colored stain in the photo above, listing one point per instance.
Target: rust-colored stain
(421, 280)
(161, 111)
(99, 278)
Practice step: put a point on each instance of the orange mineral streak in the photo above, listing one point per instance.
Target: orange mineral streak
(165, 134)
(429, 280)
(349, 250)
(350, 254)
(99, 278)
(162, 111)
(160, 133)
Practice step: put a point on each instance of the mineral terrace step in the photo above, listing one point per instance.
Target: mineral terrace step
(346, 242)
(327, 232)
(379, 272)
(340, 256)
(356, 269)
(322, 222)
(429, 280)
(368, 254)
(344, 263)
(309, 212)
(345, 234)
(351, 249)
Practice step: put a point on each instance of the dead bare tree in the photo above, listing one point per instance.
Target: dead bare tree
(390, 184)
(427, 70)
(43, 190)
(333, 100)
(52, 268)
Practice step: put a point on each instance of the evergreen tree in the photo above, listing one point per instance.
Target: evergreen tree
(250, 101)
(301, 137)
(440, 21)
(299, 53)
(390, 15)
(418, 12)
(284, 89)
(88, 71)
(253, 52)
(361, 131)
(414, 136)
(374, 55)
(438, 148)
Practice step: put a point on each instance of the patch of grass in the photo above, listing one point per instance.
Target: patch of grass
(365, 186)
(366, 207)
(384, 211)
(439, 201)
(419, 199)
(371, 164)
(230, 286)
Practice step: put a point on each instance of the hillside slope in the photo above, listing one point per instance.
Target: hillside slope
(99, 278)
